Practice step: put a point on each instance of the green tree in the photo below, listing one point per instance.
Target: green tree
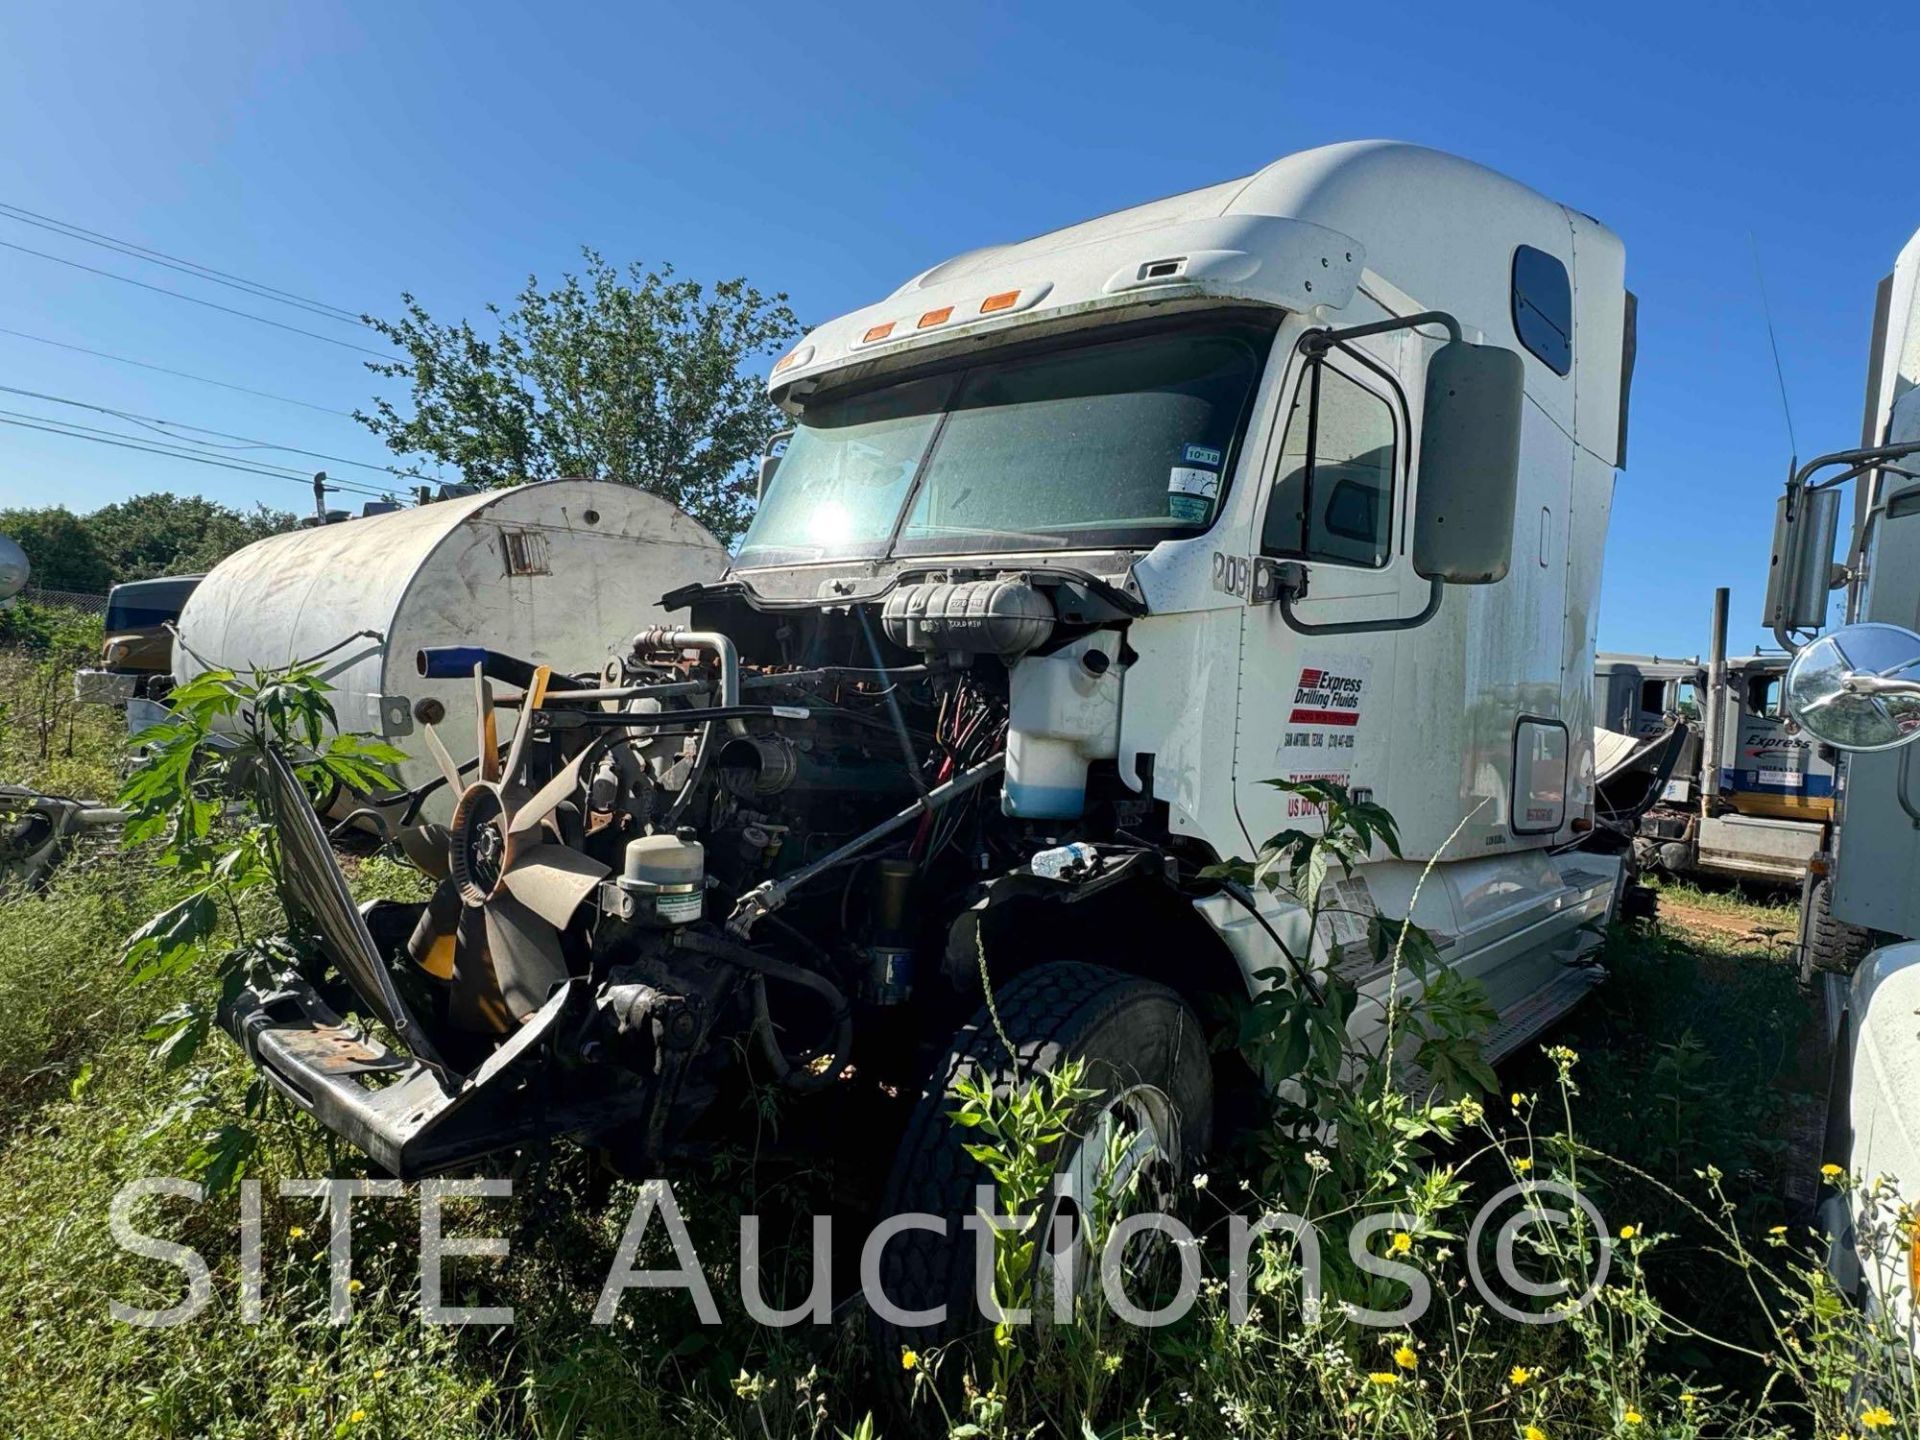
(62, 549)
(634, 376)
(167, 534)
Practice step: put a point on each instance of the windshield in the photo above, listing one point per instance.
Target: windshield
(1118, 442)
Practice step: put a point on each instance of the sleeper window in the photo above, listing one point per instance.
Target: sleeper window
(1543, 308)
(1333, 498)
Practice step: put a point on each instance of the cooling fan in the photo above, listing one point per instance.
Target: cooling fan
(515, 886)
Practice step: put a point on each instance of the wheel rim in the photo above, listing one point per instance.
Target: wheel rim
(1126, 1158)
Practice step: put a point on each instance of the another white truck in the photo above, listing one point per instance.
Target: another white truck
(1746, 797)
(1858, 689)
(1077, 542)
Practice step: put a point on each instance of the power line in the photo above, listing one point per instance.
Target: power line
(174, 262)
(245, 440)
(26, 421)
(182, 374)
(197, 300)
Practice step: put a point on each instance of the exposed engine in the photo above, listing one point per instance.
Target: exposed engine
(761, 858)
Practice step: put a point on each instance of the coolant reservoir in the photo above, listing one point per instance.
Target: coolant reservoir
(667, 874)
(1065, 713)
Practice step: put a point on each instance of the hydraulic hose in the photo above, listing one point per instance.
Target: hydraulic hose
(765, 967)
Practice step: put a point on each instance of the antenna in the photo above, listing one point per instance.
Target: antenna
(1779, 373)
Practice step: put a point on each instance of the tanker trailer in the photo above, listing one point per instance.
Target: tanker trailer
(556, 572)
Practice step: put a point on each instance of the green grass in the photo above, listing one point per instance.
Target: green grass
(1691, 1058)
(1762, 904)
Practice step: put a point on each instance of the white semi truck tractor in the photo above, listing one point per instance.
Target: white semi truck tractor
(1076, 543)
(1857, 689)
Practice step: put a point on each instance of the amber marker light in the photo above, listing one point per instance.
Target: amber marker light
(935, 317)
(1005, 300)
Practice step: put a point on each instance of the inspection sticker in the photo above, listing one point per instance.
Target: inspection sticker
(1201, 455)
(1191, 490)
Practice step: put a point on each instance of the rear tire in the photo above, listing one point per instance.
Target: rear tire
(1136, 1038)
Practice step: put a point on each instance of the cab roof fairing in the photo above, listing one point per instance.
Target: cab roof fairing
(1267, 260)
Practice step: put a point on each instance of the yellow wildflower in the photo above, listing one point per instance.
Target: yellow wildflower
(1632, 1417)
(1405, 1358)
(380, 1374)
(1523, 1163)
(909, 1359)
(356, 1417)
(1687, 1397)
(1831, 1171)
(296, 1232)
(1878, 1418)
(1627, 1232)
(1519, 1375)
(1516, 1099)
(1402, 1242)
(1778, 1230)
(354, 1287)
(1383, 1377)
(1533, 1432)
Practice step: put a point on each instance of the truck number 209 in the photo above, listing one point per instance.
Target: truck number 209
(1230, 573)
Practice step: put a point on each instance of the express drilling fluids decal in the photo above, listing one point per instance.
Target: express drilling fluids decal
(1323, 723)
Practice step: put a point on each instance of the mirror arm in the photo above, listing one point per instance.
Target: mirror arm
(1288, 581)
(1317, 342)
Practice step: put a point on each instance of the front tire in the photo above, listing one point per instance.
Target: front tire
(1833, 944)
(1145, 1054)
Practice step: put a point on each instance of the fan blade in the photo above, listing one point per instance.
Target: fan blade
(489, 737)
(448, 770)
(535, 697)
(426, 847)
(526, 955)
(544, 801)
(474, 1002)
(552, 880)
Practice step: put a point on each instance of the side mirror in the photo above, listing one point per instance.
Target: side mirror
(770, 462)
(1469, 464)
(1858, 688)
(1801, 573)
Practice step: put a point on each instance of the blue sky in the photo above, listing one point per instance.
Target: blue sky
(349, 152)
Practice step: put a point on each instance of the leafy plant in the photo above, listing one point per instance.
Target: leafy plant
(1297, 1035)
(192, 796)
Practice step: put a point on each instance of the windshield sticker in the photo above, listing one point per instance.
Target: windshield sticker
(1201, 455)
(1195, 508)
(1186, 480)
(1190, 492)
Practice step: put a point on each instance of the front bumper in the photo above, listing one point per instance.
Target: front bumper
(408, 1117)
(105, 687)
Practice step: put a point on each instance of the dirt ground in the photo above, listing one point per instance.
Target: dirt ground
(1761, 927)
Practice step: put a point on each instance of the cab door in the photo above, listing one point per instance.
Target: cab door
(1333, 480)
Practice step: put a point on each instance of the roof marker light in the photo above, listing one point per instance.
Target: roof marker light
(799, 355)
(1005, 300)
(935, 317)
(878, 332)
